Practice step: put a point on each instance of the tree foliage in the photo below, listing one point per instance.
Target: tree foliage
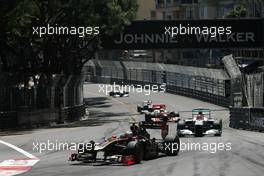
(22, 51)
(237, 12)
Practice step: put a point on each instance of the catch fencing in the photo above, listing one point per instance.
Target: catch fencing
(252, 117)
(247, 118)
(55, 99)
(211, 85)
(255, 89)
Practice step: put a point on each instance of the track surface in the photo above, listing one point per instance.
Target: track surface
(111, 116)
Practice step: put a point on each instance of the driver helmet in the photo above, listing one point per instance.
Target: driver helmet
(126, 135)
(175, 114)
(163, 110)
(200, 115)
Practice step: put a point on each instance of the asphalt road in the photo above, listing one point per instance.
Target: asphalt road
(109, 116)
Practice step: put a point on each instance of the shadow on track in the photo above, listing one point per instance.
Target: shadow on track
(103, 163)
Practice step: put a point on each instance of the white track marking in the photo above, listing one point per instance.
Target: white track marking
(17, 166)
(18, 149)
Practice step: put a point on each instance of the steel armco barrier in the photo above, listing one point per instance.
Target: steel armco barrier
(211, 85)
(247, 118)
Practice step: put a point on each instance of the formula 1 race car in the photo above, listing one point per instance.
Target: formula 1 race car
(145, 107)
(159, 116)
(200, 124)
(148, 107)
(116, 94)
(130, 148)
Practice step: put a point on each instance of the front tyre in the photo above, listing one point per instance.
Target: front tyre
(218, 125)
(136, 149)
(171, 145)
(139, 109)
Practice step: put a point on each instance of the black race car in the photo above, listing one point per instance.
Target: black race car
(159, 116)
(129, 148)
(116, 94)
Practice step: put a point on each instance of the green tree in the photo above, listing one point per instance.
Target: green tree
(26, 57)
(237, 12)
(28, 53)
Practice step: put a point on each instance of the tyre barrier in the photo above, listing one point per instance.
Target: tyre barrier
(247, 118)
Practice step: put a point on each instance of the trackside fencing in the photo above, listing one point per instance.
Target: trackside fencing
(247, 110)
(247, 118)
(211, 85)
(255, 87)
(54, 100)
(8, 120)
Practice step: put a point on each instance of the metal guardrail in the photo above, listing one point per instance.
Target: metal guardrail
(33, 118)
(204, 96)
(41, 105)
(74, 113)
(208, 97)
(247, 118)
(211, 85)
(27, 118)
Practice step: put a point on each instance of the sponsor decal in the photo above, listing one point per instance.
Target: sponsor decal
(213, 33)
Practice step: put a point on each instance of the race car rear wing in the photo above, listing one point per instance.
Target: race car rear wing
(152, 125)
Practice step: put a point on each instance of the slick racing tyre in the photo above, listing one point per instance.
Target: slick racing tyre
(171, 145)
(180, 126)
(218, 124)
(139, 109)
(136, 149)
(148, 118)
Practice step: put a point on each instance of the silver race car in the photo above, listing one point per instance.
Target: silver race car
(145, 107)
(201, 123)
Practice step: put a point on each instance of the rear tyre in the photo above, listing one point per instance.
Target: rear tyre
(148, 118)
